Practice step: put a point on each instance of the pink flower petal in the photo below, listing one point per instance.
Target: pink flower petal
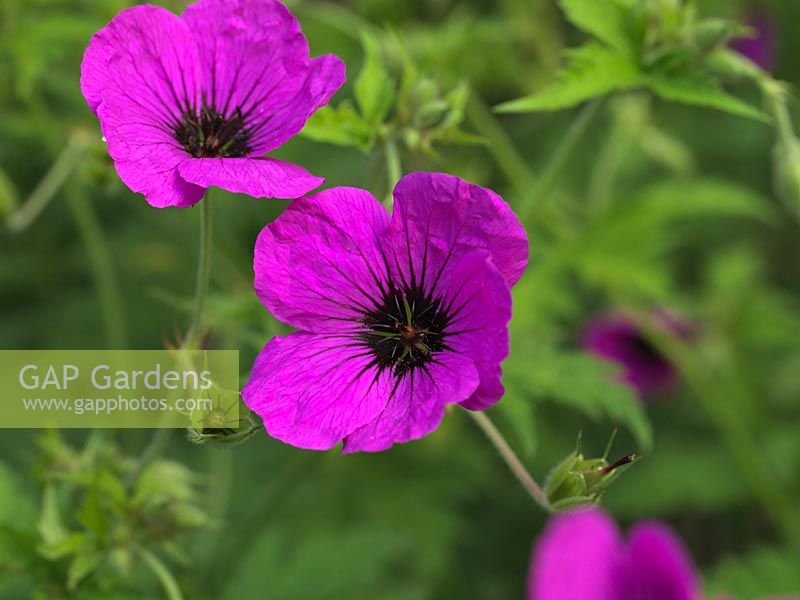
(481, 303)
(311, 394)
(147, 57)
(438, 218)
(257, 177)
(145, 157)
(257, 61)
(417, 405)
(325, 76)
(575, 558)
(656, 566)
(319, 264)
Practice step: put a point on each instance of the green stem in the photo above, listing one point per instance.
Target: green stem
(394, 170)
(776, 96)
(511, 459)
(203, 270)
(512, 165)
(163, 574)
(157, 445)
(105, 277)
(500, 145)
(65, 164)
(606, 169)
(89, 227)
(559, 159)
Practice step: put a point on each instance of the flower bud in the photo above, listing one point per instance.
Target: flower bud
(579, 481)
(217, 429)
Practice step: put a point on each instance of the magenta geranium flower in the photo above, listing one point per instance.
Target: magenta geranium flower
(197, 100)
(583, 556)
(399, 316)
(616, 336)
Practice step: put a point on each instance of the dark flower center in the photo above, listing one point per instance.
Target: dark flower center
(405, 330)
(644, 350)
(212, 135)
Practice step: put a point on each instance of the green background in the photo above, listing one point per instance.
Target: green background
(694, 224)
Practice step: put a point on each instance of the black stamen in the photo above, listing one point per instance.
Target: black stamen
(405, 330)
(211, 134)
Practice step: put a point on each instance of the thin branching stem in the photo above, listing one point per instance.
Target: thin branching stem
(511, 459)
(558, 159)
(160, 570)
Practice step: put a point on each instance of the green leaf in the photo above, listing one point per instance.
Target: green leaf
(91, 514)
(672, 200)
(697, 89)
(342, 126)
(591, 71)
(50, 525)
(587, 384)
(66, 546)
(16, 507)
(730, 63)
(81, 567)
(650, 223)
(17, 516)
(165, 481)
(604, 19)
(374, 89)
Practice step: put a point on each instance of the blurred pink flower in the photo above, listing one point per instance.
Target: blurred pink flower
(761, 46)
(617, 336)
(583, 556)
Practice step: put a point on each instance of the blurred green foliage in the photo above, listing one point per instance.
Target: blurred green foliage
(649, 201)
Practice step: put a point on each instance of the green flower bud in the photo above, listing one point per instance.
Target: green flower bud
(579, 481)
(424, 91)
(217, 429)
(432, 113)
(713, 33)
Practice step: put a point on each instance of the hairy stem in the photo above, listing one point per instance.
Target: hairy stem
(511, 459)
(203, 271)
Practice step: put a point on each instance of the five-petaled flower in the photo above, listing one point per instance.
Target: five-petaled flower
(197, 100)
(582, 555)
(399, 316)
